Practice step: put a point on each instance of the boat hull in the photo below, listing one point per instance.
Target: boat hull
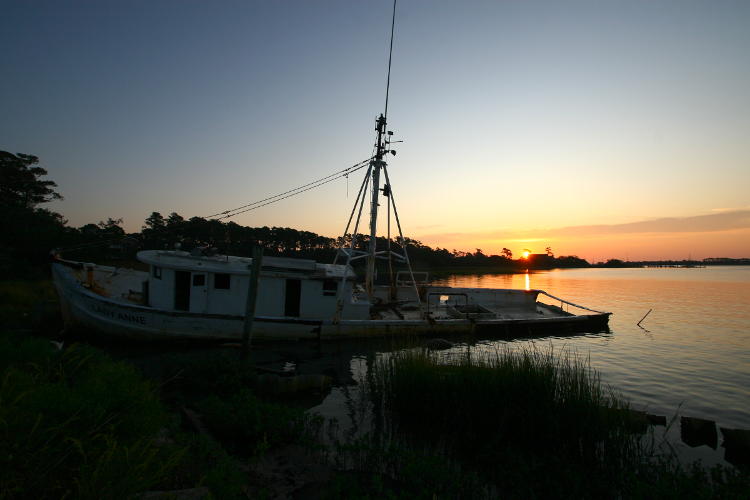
(88, 311)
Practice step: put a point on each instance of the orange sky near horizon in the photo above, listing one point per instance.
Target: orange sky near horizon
(697, 246)
(716, 235)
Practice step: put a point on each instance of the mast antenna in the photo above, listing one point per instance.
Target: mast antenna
(390, 56)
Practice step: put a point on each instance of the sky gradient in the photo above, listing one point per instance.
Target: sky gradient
(604, 129)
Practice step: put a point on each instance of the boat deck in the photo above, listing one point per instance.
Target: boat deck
(444, 312)
(113, 282)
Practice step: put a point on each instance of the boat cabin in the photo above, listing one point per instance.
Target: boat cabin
(218, 284)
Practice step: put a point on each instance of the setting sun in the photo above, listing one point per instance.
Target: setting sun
(525, 254)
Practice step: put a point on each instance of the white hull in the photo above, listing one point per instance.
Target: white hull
(84, 309)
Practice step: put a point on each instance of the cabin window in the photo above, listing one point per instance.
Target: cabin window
(156, 272)
(199, 279)
(330, 287)
(221, 281)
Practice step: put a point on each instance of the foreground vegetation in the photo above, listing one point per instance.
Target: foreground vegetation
(518, 419)
(73, 423)
(525, 424)
(76, 423)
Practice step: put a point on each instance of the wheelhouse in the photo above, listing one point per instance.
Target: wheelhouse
(218, 284)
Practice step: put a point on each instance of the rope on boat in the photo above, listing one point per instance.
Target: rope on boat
(570, 303)
(287, 194)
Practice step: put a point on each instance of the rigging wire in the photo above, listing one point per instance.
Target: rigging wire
(274, 199)
(287, 194)
(390, 56)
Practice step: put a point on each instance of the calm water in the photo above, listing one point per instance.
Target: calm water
(695, 352)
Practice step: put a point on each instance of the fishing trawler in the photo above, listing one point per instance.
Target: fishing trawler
(189, 296)
(201, 295)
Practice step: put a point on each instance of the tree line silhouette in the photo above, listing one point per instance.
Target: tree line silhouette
(30, 232)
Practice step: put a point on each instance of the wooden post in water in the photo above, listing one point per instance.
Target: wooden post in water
(252, 295)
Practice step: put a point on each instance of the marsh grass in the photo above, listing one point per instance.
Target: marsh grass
(206, 463)
(219, 387)
(74, 423)
(530, 423)
(368, 467)
(188, 377)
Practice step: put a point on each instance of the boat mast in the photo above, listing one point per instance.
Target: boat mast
(377, 164)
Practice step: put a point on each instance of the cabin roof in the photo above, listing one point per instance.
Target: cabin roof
(175, 259)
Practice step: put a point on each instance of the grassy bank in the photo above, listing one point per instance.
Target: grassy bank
(75, 423)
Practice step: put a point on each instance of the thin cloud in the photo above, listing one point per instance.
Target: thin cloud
(735, 209)
(709, 223)
(720, 221)
(429, 226)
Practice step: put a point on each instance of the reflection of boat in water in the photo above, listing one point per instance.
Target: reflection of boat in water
(204, 296)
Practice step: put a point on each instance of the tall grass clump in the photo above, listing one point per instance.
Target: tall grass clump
(532, 422)
(74, 423)
(29, 305)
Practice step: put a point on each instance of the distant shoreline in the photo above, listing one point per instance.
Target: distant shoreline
(446, 270)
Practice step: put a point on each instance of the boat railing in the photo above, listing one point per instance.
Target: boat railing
(563, 301)
(55, 257)
(403, 278)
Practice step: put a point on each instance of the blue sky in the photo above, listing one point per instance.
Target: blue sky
(519, 118)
